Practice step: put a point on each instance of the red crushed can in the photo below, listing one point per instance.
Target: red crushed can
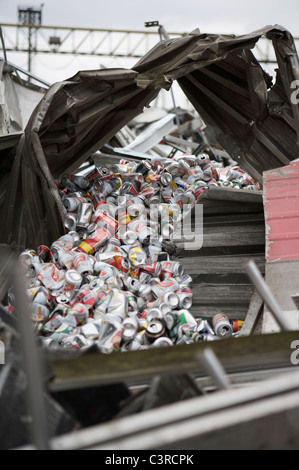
(99, 238)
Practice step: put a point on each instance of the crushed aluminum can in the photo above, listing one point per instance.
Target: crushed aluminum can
(162, 342)
(154, 268)
(154, 252)
(70, 221)
(129, 237)
(135, 207)
(237, 325)
(72, 203)
(62, 299)
(50, 276)
(132, 284)
(165, 286)
(204, 327)
(171, 269)
(118, 261)
(86, 297)
(44, 253)
(114, 282)
(185, 300)
(55, 322)
(154, 313)
(168, 298)
(131, 302)
(130, 326)
(118, 303)
(103, 269)
(62, 257)
(154, 330)
(106, 221)
(42, 296)
(185, 280)
(222, 326)
(91, 330)
(79, 312)
(65, 241)
(147, 278)
(39, 312)
(98, 239)
(209, 337)
(142, 230)
(82, 263)
(232, 174)
(84, 214)
(173, 323)
(137, 256)
(193, 335)
(145, 292)
(28, 257)
(187, 319)
(166, 178)
(110, 336)
(63, 332)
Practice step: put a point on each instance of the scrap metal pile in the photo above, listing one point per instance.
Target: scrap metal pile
(100, 267)
(113, 280)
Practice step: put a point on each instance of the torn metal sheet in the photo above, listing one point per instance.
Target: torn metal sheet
(256, 124)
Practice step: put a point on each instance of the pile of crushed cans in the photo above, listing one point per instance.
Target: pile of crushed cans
(113, 279)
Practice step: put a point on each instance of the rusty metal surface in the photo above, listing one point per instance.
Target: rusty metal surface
(76, 117)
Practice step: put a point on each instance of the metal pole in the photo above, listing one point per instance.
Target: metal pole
(29, 52)
(214, 368)
(266, 294)
(31, 363)
(163, 33)
(31, 75)
(3, 44)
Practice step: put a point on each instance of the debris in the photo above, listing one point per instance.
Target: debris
(98, 238)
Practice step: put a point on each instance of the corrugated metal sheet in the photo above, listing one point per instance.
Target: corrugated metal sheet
(281, 202)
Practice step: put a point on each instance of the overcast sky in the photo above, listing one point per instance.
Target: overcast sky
(229, 16)
(214, 16)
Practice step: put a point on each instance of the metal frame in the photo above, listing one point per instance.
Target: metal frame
(82, 41)
(100, 42)
(203, 422)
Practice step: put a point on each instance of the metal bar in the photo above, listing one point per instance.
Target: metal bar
(247, 353)
(31, 363)
(81, 42)
(118, 44)
(70, 32)
(81, 53)
(179, 142)
(153, 134)
(137, 45)
(20, 69)
(176, 424)
(266, 294)
(100, 43)
(3, 44)
(144, 32)
(214, 368)
(252, 316)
